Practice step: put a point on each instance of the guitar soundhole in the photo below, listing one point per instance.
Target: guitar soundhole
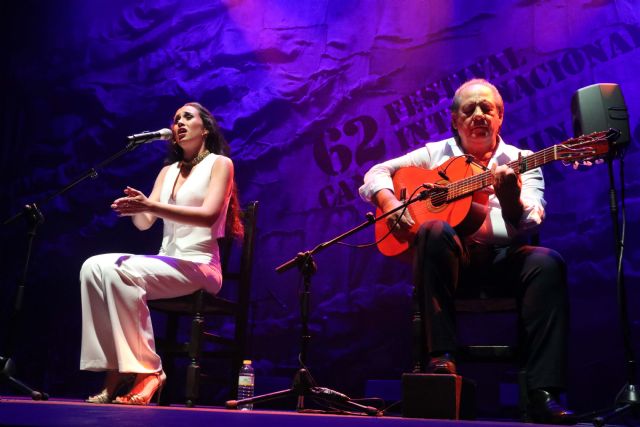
(438, 199)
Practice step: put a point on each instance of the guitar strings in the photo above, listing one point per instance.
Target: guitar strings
(468, 185)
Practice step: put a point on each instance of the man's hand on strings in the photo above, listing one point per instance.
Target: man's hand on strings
(387, 202)
(507, 186)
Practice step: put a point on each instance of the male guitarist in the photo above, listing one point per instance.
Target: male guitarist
(493, 255)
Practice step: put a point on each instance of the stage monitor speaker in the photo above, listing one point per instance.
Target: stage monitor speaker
(438, 396)
(600, 107)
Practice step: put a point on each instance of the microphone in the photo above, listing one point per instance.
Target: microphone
(144, 137)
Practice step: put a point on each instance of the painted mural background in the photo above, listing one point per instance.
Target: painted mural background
(310, 94)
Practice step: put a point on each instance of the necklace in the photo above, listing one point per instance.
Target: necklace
(188, 165)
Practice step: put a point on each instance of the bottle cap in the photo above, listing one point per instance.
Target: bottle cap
(246, 362)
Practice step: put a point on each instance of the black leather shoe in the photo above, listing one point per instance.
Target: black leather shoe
(544, 408)
(444, 364)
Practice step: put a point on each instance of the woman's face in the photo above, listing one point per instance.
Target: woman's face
(188, 128)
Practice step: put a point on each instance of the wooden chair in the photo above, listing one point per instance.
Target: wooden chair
(477, 352)
(479, 305)
(202, 304)
(496, 352)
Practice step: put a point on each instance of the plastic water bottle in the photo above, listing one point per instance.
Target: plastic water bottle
(245, 384)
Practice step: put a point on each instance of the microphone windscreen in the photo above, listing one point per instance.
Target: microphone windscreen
(166, 134)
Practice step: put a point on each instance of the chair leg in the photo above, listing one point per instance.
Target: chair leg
(168, 358)
(418, 356)
(239, 353)
(523, 395)
(192, 385)
(523, 385)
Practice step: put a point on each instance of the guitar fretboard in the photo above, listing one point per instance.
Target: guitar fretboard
(572, 149)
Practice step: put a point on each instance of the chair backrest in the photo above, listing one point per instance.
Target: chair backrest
(241, 272)
(234, 268)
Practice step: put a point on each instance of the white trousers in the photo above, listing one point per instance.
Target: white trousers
(116, 325)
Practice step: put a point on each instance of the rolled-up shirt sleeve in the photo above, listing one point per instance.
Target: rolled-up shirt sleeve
(532, 197)
(380, 175)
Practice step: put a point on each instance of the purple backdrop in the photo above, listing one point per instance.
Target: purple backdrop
(310, 95)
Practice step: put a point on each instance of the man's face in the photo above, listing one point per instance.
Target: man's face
(478, 119)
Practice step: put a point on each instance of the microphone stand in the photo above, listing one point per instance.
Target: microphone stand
(303, 383)
(627, 398)
(34, 217)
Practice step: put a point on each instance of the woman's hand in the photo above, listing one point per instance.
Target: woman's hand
(134, 203)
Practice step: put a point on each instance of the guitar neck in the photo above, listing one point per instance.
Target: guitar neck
(466, 186)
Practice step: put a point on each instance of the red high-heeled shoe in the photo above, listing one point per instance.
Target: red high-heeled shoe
(113, 383)
(144, 388)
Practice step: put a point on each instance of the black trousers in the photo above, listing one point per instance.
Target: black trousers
(444, 268)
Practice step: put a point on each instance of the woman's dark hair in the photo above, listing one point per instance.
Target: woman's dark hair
(216, 144)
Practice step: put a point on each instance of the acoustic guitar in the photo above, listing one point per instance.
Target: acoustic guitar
(455, 197)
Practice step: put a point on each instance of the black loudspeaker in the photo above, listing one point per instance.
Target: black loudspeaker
(600, 107)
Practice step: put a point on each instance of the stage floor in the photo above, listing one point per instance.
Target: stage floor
(19, 411)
